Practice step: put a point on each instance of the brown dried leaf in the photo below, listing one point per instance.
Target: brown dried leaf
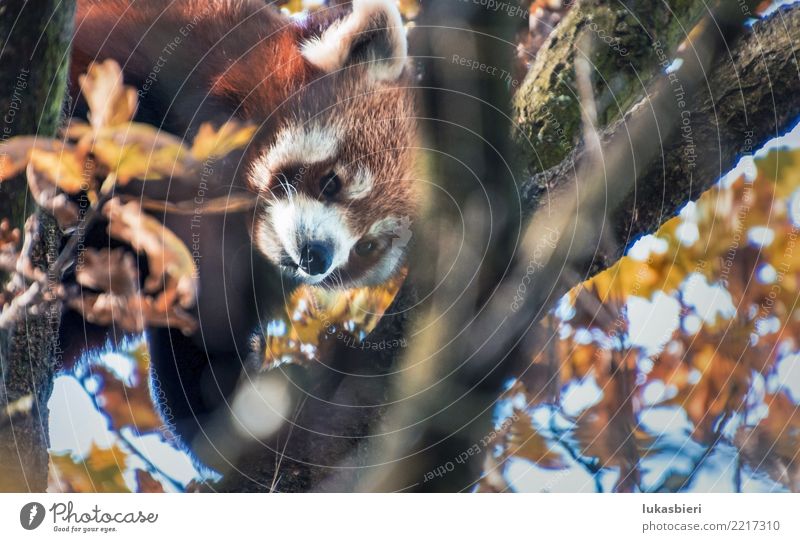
(114, 274)
(110, 101)
(105, 309)
(126, 406)
(131, 314)
(526, 442)
(721, 390)
(609, 430)
(145, 483)
(9, 237)
(112, 271)
(53, 201)
(172, 269)
(772, 445)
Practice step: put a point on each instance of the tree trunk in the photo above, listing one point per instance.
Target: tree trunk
(34, 60)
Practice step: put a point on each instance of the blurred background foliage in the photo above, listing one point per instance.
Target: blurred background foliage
(679, 367)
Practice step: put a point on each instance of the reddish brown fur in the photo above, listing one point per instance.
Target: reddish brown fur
(242, 58)
(229, 49)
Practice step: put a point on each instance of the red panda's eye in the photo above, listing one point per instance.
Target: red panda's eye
(330, 185)
(366, 247)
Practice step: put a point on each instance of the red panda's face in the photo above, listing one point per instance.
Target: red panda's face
(335, 178)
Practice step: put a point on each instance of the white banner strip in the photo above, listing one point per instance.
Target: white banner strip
(400, 517)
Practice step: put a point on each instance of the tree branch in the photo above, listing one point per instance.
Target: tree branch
(548, 104)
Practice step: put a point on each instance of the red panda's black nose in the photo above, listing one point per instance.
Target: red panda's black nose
(315, 257)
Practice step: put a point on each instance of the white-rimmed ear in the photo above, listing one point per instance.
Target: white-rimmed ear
(372, 33)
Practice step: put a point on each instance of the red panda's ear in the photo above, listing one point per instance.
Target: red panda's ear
(372, 34)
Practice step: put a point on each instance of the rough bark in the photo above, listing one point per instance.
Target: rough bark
(749, 98)
(34, 56)
(547, 105)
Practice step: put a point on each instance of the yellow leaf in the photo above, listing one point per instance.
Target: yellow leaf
(140, 151)
(62, 169)
(210, 143)
(99, 472)
(15, 153)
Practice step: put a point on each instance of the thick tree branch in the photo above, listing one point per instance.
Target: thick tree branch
(749, 98)
(547, 105)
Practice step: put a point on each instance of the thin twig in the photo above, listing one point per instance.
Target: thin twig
(65, 258)
(591, 465)
(698, 463)
(152, 467)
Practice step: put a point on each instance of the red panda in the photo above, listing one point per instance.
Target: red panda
(330, 164)
(330, 92)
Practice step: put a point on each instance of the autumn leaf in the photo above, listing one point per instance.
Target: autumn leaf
(9, 237)
(53, 201)
(139, 151)
(99, 472)
(120, 302)
(720, 391)
(76, 130)
(145, 483)
(409, 8)
(582, 359)
(112, 271)
(171, 267)
(526, 442)
(62, 169)
(771, 446)
(131, 314)
(126, 406)
(210, 144)
(314, 314)
(292, 6)
(110, 101)
(15, 153)
(114, 274)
